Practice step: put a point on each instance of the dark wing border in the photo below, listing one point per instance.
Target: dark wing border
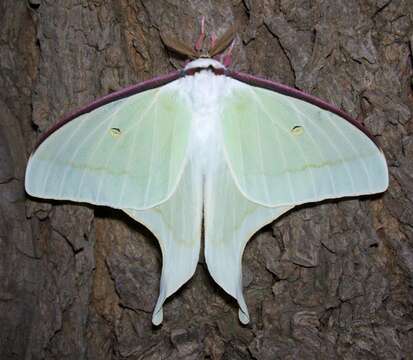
(289, 91)
(120, 94)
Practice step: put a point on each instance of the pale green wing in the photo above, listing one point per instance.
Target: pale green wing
(129, 153)
(176, 223)
(285, 151)
(230, 220)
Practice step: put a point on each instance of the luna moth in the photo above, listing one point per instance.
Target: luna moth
(205, 146)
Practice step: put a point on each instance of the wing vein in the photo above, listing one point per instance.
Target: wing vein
(110, 155)
(69, 139)
(354, 151)
(293, 197)
(109, 120)
(261, 154)
(283, 157)
(150, 174)
(335, 149)
(78, 147)
(301, 114)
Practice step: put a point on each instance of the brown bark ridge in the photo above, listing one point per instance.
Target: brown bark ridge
(326, 281)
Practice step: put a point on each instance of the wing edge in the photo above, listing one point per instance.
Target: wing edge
(104, 100)
(260, 82)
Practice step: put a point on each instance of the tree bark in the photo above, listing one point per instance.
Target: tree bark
(326, 281)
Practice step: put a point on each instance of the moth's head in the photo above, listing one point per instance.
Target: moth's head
(199, 51)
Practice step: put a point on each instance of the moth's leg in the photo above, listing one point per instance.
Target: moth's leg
(227, 58)
(198, 44)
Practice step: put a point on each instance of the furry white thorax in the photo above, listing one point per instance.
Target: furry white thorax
(203, 92)
(204, 63)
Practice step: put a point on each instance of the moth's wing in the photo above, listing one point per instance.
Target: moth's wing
(176, 223)
(230, 220)
(127, 153)
(283, 150)
(279, 151)
(130, 151)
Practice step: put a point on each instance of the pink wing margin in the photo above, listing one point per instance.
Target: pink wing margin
(289, 91)
(117, 95)
(245, 78)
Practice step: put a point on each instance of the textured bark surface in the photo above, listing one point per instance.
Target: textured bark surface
(326, 281)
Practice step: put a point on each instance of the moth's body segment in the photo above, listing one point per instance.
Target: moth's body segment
(205, 143)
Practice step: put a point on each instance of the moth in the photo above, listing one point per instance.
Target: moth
(205, 148)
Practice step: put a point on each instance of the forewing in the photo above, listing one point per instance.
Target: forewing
(285, 151)
(129, 153)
